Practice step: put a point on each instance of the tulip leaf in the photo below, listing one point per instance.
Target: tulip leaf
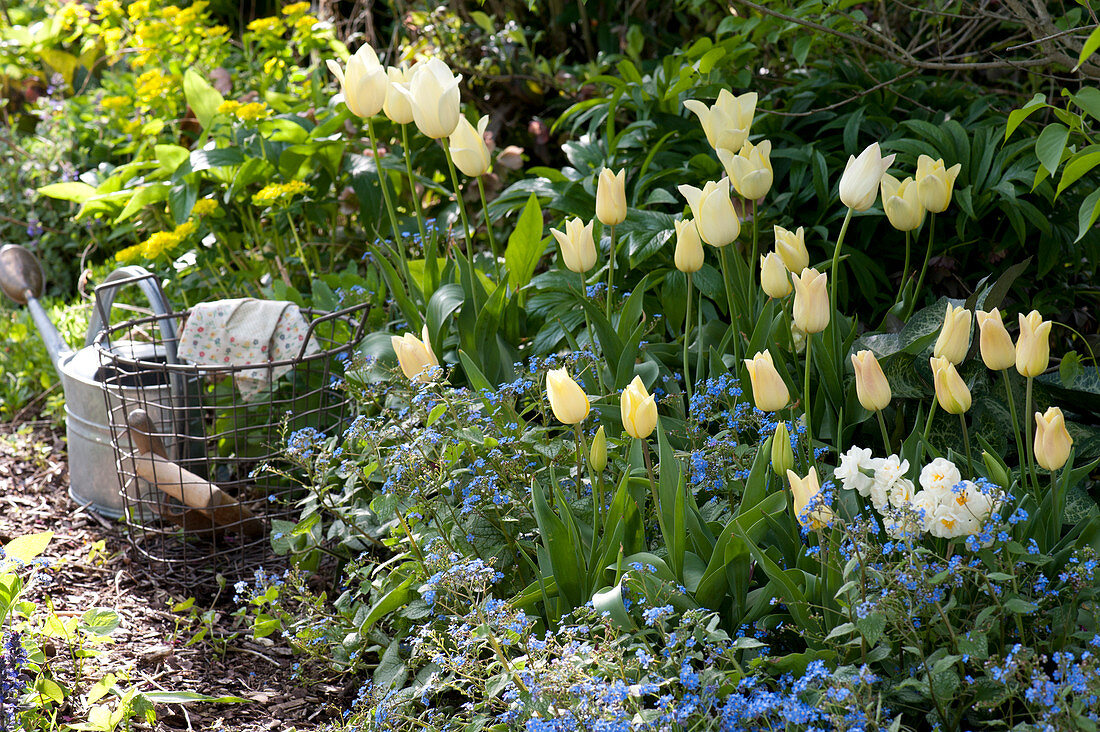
(525, 245)
(203, 98)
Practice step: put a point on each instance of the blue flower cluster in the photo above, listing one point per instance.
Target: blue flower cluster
(13, 659)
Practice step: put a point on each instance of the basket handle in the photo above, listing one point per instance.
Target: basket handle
(331, 316)
(105, 298)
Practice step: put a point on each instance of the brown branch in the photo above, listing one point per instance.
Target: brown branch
(849, 100)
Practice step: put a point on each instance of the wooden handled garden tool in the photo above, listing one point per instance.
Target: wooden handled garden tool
(192, 490)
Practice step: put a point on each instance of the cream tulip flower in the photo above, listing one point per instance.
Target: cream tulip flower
(611, 197)
(774, 278)
(364, 82)
(750, 170)
(791, 247)
(434, 98)
(689, 248)
(872, 388)
(1052, 440)
(397, 107)
(713, 210)
(415, 356)
(468, 148)
(935, 183)
(638, 409)
(567, 399)
(811, 300)
(805, 491)
(1033, 345)
(578, 247)
(902, 203)
(998, 353)
(860, 182)
(769, 391)
(954, 339)
(951, 391)
(727, 122)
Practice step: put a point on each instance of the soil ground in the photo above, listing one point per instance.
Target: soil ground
(151, 643)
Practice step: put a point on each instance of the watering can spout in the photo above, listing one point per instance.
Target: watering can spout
(21, 280)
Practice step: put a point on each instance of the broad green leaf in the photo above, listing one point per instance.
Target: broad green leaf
(25, 548)
(392, 600)
(144, 196)
(203, 98)
(525, 246)
(100, 621)
(75, 191)
(1091, 44)
(1017, 116)
(1050, 144)
(1078, 165)
(1086, 215)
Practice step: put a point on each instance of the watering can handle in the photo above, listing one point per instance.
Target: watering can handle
(147, 281)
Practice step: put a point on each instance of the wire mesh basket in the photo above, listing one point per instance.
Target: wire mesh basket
(188, 444)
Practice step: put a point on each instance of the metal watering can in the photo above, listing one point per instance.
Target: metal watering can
(93, 472)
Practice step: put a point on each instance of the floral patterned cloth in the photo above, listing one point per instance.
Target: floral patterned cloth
(242, 332)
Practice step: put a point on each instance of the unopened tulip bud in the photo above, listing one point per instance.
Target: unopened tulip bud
(935, 182)
(872, 388)
(713, 210)
(954, 339)
(811, 300)
(1033, 345)
(468, 149)
(611, 197)
(951, 391)
(689, 248)
(774, 277)
(805, 491)
(750, 170)
(782, 453)
(638, 410)
(597, 454)
(901, 203)
(364, 82)
(860, 181)
(998, 353)
(769, 391)
(578, 248)
(1052, 440)
(727, 123)
(567, 399)
(791, 247)
(415, 356)
(996, 470)
(397, 107)
(434, 98)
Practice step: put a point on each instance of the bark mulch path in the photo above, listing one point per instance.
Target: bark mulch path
(150, 644)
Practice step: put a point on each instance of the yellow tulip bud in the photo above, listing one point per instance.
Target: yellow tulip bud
(791, 247)
(1052, 440)
(951, 391)
(468, 149)
(415, 356)
(433, 95)
(750, 170)
(567, 399)
(364, 82)
(769, 391)
(597, 454)
(689, 248)
(811, 300)
(578, 248)
(805, 490)
(998, 353)
(397, 107)
(638, 409)
(774, 277)
(901, 203)
(611, 197)
(954, 338)
(727, 123)
(872, 388)
(1033, 345)
(782, 453)
(713, 210)
(934, 183)
(859, 183)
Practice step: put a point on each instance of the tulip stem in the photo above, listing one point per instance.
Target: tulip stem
(927, 429)
(924, 266)
(489, 228)
(687, 333)
(610, 271)
(966, 443)
(752, 260)
(587, 324)
(885, 432)
(834, 270)
(699, 339)
(1029, 417)
(397, 242)
(806, 400)
(581, 450)
(412, 185)
(462, 213)
(905, 268)
(729, 287)
(1015, 422)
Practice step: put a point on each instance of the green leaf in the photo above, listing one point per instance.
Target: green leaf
(1091, 44)
(25, 548)
(1050, 144)
(1017, 116)
(144, 196)
(191, 697)
(525, 247)
(1088, 99)
(50, 689)
(871, 627)
(100, 621)
(975, 645)
(69, 191)
(203, 98)
(1086, 215)
(1019, 606)
(392, 600)
(1078, 165)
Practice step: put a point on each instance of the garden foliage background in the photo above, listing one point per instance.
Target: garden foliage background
(492, 570)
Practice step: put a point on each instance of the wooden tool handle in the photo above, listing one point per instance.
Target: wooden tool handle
(142, 433)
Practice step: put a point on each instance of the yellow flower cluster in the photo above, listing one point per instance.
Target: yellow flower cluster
(138, 10)
(73, 15)
(305, 23)
(266, 25)
(115, 103)
(229, 106)
(252, 111)
(296, 8)
(152, 85)
(204, 206)
(274, 193)
(157, 244)
(108, 9)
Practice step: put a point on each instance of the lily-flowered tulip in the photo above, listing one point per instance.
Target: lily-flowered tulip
(727, 123)
(750, 169)
(769, 391)
(805, 491)
(1052, 440)
(638, 409)
(713, 210)
(951, 391)
(811, 300)
(578, 248)
(611, 197)
(363, 81)
(689, 248)
(782, 452)
(567, 399)
(902, 203)
(597, 454)
(954, 338)
(935, 182)
(774, 278)
(1033, 345)
(434, 98)
(860, 181)
(468, 148)
(872, 388)
(791, 247)
(998, 353)
(397, 107)
(415, 356)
